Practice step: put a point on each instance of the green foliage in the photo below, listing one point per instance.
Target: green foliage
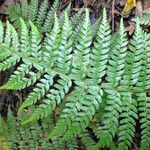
(32, 136)
(145, 17)
(82, 74)
(39, 13)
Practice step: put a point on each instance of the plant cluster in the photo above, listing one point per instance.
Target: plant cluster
(15, 136)
(39, 13)
(94, 79)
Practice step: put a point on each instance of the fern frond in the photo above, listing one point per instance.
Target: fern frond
(35, 47)
(34, 58)
(72, 144)
(76, 18)
(38, 92)
(9, 56)
(15, 13)
(115, 70)
(143, 99)
(52, 100)
(1, 32)
(82, 73)
(35, 13)
(86, 140)
(33, 10)
(63, 64)
(41, 13)
(100, 51)
(50, 57)
(7, 38)
(24, 10)
(49, 21)
(82, 50)
(62, 16)
(64, 54)
(144, 108)
(52, 43)
(145, 17)
(130, 78)
(24, 39)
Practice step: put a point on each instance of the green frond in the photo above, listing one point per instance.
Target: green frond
(33, 10)
(9, 48)
(7, 38)
(144, 108)
(24, 10)
(28, 77)
(76, 32)
(1, 32)
(38, 92)
(64, 53)
(86, 140)
(77, 17)
(136, 50)
(115, 71)
(144, 17)
(127, 122)
(15, 12)
(100, 51)
(89, 87)
(49, 21)
(41, 13)
(72, 144)
(75, 118)
(82, 50)
(68, 10)
(131, 76)
(24, 39)
(52, 43)
(143, 99)
(35, 48)
(52, 100)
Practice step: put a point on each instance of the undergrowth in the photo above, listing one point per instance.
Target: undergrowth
(94, 79)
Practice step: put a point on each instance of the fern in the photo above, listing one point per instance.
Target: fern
(143, 99)
(82, 73)
(129, 104)
(31, 11)
(49, 19)
(115, 70)
(15, 136)
(9, 48)
(19, 79)
(145, 17)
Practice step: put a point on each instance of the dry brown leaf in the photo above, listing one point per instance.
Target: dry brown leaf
(42, 135)
(86, 3)
(139, 8)
(116, 12)
(130, 28)
(146, 4)
(21, 2)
